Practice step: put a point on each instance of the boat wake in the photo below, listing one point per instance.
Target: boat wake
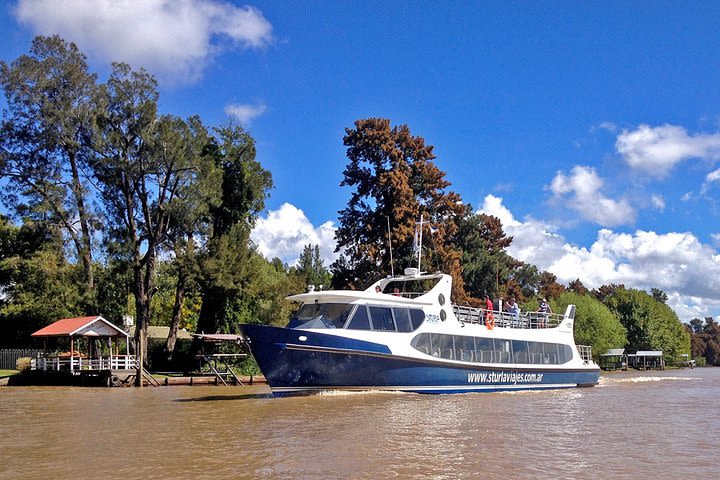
(345, 393)
(605, 380)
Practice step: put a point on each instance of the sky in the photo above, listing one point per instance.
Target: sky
(591, 129)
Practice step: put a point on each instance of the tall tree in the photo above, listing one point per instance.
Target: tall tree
(45, 142)
(143, 165)
(37, 284)
(487, 267)
(650, 325)
(311, 266)
(226, 263)
(394, 178)
(595, 324)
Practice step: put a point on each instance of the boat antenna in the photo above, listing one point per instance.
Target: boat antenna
(419, 243)
(392, 267)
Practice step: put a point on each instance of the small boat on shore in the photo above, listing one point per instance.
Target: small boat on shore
(403, 334)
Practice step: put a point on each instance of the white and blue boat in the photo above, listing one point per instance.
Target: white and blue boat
(403, 334)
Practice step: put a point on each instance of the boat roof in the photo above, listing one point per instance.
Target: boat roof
(369, 294)
(347, 296)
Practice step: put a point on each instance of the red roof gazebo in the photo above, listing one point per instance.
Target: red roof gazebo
(91, 328)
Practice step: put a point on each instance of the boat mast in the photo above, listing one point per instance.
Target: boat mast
(392, 267)
(419, 245)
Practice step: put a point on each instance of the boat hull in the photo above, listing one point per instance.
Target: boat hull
(302, 362)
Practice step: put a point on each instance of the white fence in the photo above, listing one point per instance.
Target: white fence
(116, 362)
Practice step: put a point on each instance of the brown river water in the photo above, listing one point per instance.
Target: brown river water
(637, 425)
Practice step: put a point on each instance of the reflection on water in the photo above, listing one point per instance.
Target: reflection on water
(652, 424)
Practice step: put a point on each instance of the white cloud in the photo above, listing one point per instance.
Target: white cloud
(609, 126)
(675, 262)
(284, 233)
(245, 114)
(716, 239)
(581, 191)
(174, 39)
(658, 202)
(656, 150)
(710, 178)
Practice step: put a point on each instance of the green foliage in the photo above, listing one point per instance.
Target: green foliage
(651, 325)
(311, 267)
(485, 263)
(39, 286)
(45, 140)
(595, 324)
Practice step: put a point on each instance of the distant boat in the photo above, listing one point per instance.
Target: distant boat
(403, 334)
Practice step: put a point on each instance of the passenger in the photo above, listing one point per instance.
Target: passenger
(396, 291)
(514, 310)
(378, 289)
(544, 310)
(488, 302)
(488, 306)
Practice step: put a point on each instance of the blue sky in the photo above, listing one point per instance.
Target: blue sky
(591, 129)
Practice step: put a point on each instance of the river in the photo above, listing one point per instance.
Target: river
(659, 425)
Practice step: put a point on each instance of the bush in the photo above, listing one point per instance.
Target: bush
(22, 364)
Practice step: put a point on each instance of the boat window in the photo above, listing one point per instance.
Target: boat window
(564, 354)
(321, 315)
(402, 319)
(502, 351)
(520, 351)
(464, 348)
(417, 317)
(484, 350)
(381, 318)
(442, 346)
(535, 352)
(487, 350)
(421, 343)
(360, 319)
(411, 288)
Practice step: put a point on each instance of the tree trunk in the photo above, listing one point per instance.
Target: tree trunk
(85, 246)
(177, 313)
(212, 310)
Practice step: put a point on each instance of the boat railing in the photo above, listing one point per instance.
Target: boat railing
(585, 352)
(468, 314)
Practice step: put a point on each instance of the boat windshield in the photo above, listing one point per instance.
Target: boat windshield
(411, 288)
(321, 315)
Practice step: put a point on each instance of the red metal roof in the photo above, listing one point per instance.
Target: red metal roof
(66, 326)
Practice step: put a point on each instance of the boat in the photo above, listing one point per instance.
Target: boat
(403, 334)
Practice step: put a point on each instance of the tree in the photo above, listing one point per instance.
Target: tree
(394, 179)
(311, 267)
(595, 324)
(486, 265)
(577, 286)
(45, 143)
(226, 265)
(705, 340)
(549, 287)
(604, 291)
(527, 277)
(146, 167)
(37, 284)
(650, 325)
(658, 295)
